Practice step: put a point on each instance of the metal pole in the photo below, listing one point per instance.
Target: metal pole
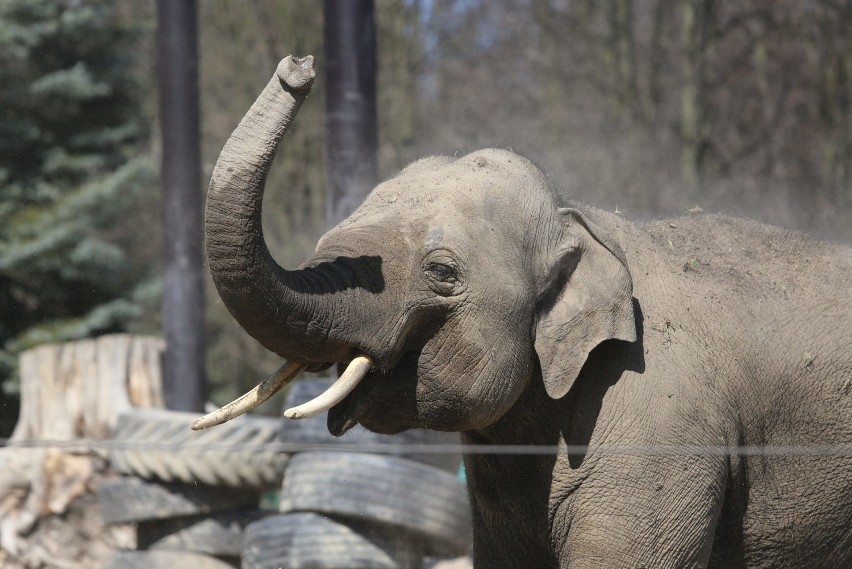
(350, 59)
(183, 286)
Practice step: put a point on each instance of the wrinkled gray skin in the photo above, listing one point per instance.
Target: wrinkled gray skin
(491, 308)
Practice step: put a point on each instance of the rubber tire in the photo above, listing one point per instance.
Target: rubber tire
(132, 499)
(160, 445)
(314, 431)
(219, 534)
(309, 540)
(164, 560)
(428, 503)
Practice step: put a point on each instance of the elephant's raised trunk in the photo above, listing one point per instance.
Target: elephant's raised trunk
(278, 308)
(296, 314)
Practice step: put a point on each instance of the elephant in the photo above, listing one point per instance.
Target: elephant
(674, 393)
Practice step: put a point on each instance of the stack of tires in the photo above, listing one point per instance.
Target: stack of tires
(356, 510)
(191, 494)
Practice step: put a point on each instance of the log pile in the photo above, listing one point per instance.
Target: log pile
(71, 393)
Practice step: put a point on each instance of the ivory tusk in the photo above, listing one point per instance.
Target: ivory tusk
(355, 372)
(263, 391)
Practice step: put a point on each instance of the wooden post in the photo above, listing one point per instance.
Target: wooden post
(350, 51)
(183, 278)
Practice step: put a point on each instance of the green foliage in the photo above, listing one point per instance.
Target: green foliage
(74, 175)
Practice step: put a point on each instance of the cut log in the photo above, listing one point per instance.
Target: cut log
(77, 390)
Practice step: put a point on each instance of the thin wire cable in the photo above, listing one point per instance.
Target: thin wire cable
(81, 445)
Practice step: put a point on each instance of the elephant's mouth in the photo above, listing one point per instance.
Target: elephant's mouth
(341, 417)
(384, 402)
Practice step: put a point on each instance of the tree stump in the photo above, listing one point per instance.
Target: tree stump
(77, 390)
(69, 392)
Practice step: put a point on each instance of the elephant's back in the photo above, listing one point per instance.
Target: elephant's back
(752, 259)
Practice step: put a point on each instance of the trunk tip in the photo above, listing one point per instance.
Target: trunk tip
(296, 72)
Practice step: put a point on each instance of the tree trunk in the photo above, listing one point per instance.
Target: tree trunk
(690, 108)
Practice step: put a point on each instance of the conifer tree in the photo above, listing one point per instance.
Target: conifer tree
(74, 176)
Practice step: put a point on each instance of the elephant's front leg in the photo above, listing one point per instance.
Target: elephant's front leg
(503, 543)
(509, 498)
(651, 512)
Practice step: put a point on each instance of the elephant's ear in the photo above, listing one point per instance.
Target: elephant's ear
(587, 298)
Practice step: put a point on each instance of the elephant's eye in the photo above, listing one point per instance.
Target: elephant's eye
(442, 272)
(443, 277)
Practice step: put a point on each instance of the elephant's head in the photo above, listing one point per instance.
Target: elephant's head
(458, 279)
